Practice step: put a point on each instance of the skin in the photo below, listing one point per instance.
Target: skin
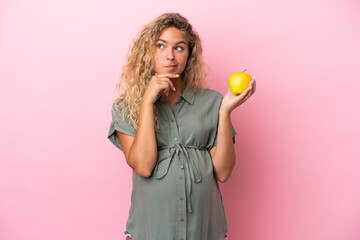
(141, 151)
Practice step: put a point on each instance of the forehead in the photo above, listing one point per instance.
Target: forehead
(172, 35)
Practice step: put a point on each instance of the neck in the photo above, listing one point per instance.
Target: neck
(179, 85)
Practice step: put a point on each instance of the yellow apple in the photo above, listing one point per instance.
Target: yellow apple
(239, 82)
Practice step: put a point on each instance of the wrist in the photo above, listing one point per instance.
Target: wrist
(147, 102)
(224, 113)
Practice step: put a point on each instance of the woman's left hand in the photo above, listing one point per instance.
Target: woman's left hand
(231, 101)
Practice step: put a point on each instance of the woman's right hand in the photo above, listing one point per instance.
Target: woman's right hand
(159, 83)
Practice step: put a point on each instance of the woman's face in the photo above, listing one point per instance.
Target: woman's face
(171, 52)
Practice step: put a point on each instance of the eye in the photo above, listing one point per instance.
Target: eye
(160, 46)
(179, 48)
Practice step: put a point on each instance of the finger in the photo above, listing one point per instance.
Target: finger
(249, 90)
(165, 91)
(254, 86)
(229, 92)
(254, 81)
(170, 83)
(169, 75)
(242, 100)
(165, 87)
(154, 77)
(247, 95)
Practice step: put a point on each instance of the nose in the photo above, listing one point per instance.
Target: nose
(170, 54)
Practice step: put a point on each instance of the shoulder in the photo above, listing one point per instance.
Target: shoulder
(208, 99)
(117, 109)
(209, 94)
(117, 106)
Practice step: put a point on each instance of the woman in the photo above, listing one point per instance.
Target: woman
(175, 134)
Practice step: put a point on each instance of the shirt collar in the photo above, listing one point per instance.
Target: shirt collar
(188, 95)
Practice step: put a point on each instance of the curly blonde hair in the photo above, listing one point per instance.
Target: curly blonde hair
(138, 70)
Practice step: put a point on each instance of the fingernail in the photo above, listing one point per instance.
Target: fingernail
(174, 89)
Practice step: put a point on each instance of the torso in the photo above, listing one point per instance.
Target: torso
(181, 199)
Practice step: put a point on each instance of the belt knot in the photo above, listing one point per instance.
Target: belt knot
(192, 173)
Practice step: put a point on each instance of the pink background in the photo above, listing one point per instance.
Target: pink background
(297, 174)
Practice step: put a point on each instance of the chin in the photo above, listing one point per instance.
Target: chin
(172, 71)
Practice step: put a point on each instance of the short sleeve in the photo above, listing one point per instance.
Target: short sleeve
(233, 135)
(119, 124)
(215, 106)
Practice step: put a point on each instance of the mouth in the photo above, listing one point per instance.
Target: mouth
(170, 66)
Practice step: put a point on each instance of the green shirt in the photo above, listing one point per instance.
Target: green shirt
(181, 199)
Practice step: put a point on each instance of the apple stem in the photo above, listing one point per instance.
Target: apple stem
(244, 70)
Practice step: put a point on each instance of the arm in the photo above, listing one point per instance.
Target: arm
(141, 151)
(223, 154)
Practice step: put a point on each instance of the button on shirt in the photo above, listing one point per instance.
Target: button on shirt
(181, 199)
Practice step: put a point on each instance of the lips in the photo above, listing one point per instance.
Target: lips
(171, 66)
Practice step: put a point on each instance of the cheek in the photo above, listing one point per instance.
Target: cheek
(184, 58)
(184, 61)
(156, 60)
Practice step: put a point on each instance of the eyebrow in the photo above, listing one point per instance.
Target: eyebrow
(175, 43)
